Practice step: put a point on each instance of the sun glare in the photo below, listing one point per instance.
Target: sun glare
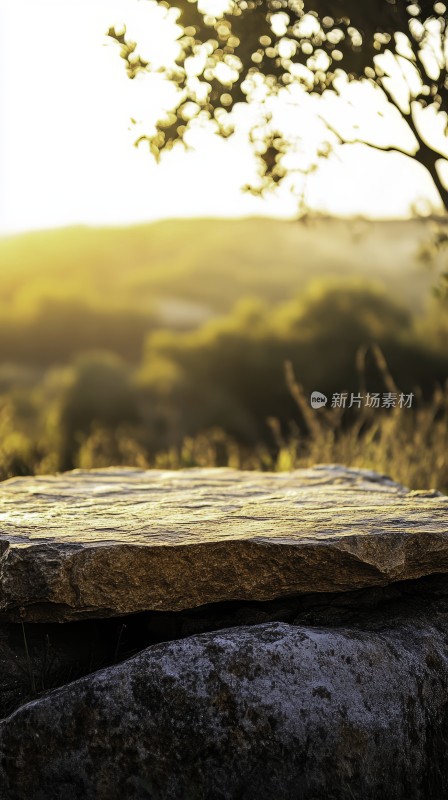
(66, 138)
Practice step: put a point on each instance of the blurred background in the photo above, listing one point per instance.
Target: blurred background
(175, 303)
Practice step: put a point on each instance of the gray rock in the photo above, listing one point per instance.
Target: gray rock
(270, 711)
(116, 541)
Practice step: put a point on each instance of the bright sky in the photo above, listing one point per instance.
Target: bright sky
(66, 154)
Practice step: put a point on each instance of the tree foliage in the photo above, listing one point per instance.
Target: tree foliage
(251, 51)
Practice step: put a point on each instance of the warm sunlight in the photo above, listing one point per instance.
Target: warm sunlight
(223, 399)
(66, 144)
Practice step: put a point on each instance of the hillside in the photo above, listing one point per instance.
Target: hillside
(167, 345)
(187, 270)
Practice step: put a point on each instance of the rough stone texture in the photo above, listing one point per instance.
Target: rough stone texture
(321, 697)
(270, 711)
(35, 658)
(116, 541)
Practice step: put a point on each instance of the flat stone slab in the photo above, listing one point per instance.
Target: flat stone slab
(115, 541)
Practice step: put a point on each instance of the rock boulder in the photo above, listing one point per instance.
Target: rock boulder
(117, 541)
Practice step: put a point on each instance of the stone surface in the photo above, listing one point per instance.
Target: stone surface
(116, 541)
(38, 657)
(276, 710)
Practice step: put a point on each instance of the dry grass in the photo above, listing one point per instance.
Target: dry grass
(411, 446)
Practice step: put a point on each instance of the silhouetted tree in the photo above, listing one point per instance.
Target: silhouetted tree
(255, 50)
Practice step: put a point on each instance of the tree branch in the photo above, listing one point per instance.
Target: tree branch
(383, 148)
